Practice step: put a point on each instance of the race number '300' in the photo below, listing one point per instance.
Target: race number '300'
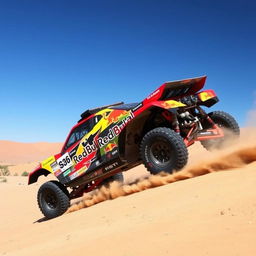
(64, 162)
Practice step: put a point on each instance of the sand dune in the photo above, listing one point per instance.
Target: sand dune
(213, 214)
(19, 153)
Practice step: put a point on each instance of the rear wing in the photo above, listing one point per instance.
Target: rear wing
(177, 89)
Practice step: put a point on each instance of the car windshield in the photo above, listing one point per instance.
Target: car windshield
(79, 132)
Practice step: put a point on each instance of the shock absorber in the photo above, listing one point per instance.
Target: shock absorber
(206, 116)
(175, 124)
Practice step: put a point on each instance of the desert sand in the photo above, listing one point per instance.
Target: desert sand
(208, 208)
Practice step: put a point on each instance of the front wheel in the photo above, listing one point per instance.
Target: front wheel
(53, 199)
(163, 150)
(228, 124)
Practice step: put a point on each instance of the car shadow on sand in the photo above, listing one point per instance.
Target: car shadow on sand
(41, 220)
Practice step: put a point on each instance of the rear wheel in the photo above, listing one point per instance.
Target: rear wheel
(228, 124)
(163, 150)
(53, 199)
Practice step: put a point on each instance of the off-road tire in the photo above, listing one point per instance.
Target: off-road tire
(225, 120)
(163, 150)
(53, 199)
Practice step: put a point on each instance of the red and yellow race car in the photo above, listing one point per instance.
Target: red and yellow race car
(109, 140)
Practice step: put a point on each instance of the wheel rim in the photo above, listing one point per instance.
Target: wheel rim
(160, 152)
(50, 199)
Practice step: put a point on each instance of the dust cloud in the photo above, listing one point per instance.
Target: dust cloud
(241, 154)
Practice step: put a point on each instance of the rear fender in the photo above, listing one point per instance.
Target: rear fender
(131, 136)
(145, 121)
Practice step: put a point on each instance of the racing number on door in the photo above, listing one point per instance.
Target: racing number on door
(64, 162)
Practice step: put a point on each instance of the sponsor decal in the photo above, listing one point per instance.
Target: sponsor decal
(90, 146)
(126, 120)
(137, 107)
(115, 131)
(114, 152)
(98, 143)
(73, 176)
(58, 172)
(48, 161)
(110, 147)
(55, 167)
(204, 96)
(67, 172)
(82, 170)
(111, 166)
(101, 142)
(73, 151)
(115, 116)
(172, 104)
(153, 94)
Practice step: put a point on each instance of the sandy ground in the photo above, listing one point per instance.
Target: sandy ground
(213, 214)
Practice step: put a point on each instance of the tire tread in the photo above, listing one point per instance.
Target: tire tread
(181, 148)
(62, 195)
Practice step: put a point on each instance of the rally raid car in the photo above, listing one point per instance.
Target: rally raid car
(109, 140)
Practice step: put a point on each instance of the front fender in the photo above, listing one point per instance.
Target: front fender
(33, 176)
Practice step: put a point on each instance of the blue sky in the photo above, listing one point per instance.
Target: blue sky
(58, 58)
